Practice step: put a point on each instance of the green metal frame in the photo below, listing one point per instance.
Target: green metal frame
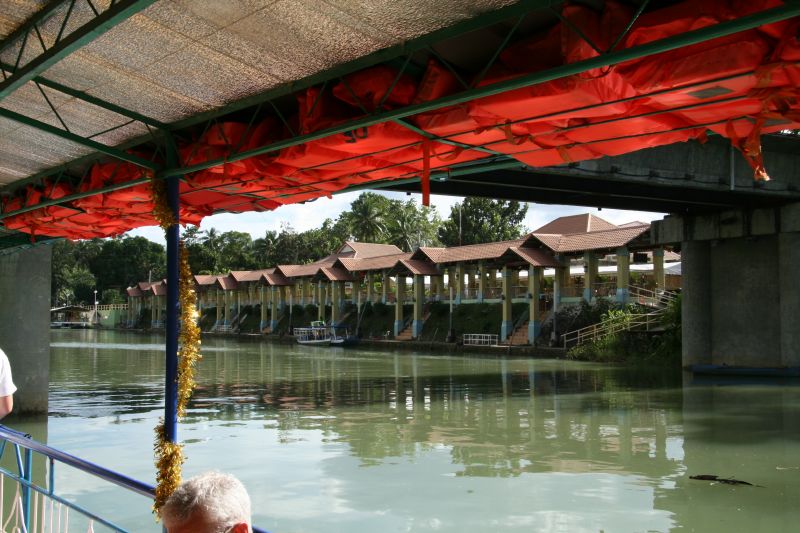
(611, 58)
(117, 13)
(88, 98)
(77, 139)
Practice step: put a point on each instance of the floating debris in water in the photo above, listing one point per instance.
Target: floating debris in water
(725, 480)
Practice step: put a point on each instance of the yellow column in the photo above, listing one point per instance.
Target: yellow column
(506, 326)
(336, 290)
(534, 312)
(589, 275)
(368, 281)
(623, 274)
(220, 306)
(398, 309)
(263, 301)
(228, 297)
(419, 303)
(481, 280)
(658, 269)
(459, 282)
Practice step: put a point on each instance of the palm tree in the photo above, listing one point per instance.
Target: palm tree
(367, 218)
(403, 228)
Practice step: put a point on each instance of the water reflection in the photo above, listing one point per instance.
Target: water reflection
(333, 440)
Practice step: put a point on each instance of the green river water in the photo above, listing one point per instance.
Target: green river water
(333, 440)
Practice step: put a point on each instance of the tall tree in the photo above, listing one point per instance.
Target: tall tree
(411, 225)
(367, 216)
(480, 220)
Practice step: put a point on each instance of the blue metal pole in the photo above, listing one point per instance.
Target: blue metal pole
(26, 489)
(172, 327)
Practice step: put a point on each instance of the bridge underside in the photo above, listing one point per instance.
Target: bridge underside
(681, 178)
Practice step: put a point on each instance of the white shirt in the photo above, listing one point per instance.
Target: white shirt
(7, 387)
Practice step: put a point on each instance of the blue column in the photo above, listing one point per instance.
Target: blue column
(172, 326)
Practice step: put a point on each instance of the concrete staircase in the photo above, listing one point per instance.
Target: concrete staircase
(406, 334)
(520, 335)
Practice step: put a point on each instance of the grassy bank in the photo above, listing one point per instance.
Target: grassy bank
(635, 346)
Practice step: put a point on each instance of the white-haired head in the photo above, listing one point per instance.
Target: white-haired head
(212, 502)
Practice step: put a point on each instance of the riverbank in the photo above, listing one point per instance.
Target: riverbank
(444, 348)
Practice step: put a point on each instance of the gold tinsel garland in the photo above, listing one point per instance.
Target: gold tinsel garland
(169, 455)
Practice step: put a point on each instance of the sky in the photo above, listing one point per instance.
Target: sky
(303, 217)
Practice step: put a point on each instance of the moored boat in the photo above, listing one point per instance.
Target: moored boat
(318, 334)
(342, 340)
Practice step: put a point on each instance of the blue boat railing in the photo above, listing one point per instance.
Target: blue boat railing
(24, 447)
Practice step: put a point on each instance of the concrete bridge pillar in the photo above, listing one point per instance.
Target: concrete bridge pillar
(741, 298)
(696, 302)
(788, 265)
(25, 324)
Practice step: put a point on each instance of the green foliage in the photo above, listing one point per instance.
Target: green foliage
(480, 220)
(635, 346)
(112, 296)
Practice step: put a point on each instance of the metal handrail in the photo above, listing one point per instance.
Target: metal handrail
(481, 339)
(25, 441)
(656, 297)
(601, 330)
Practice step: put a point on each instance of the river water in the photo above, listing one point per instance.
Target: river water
(332, 440)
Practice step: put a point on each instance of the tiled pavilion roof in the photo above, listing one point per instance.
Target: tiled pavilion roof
(595, 240)
(372, 263)
(582, 223)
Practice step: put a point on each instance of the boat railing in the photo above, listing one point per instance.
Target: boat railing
(312, 333)
(34, 503)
